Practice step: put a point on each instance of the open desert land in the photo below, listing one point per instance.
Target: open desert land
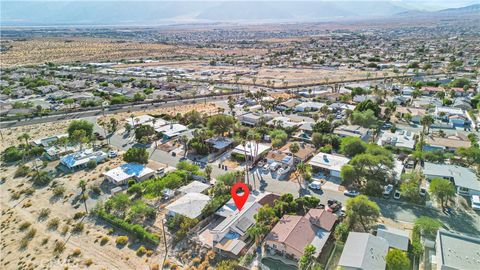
(292, 76)
(68, 50)
(36, 131)
(40, 230)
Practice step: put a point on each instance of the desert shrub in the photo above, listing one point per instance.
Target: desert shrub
(24, 225)
(44, 213)
(78, 215)
(122, 240)
(58, 190)
(22, 171)
(58, 247)
(104, 240)
(30, 234)
(24, 243)
(65, 229)
(53, 223)
(41, 178)
(96, 189)
(141, 251)
(78, 227)
(91, 164)
(88, 262)
(29, 191)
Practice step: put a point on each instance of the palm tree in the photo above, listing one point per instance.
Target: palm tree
(257, 231)
(231, 105)
(184, 140)
(24, 137)
(83, 185)
(303, 170)
(426, 121)
(208, 171)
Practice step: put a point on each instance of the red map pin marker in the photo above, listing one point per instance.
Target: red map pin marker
(240, 199)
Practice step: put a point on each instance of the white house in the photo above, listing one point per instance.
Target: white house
(309, 106)
(330, 163)
(171, 130)
(252, 149)
(80, 159)
(189, 205)
(122, 174)
(465, 180)
(399, 138)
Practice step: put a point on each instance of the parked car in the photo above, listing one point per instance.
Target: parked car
(316, 185)
(333, 206)
(387, 190)
(475, 202)
(396, 195)
(112, 154)
(351, 193)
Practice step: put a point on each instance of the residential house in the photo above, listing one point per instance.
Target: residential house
(252, 119)
(415, 113)
(129, 171)
(80, 159)
(399, 138)
(396, 238)
(287, 105)
(140, 120)
(305, 150)
(331, 164)
(450, 143)
(465, 180)
(363, 251)
(455, 116)
(253, 150)
(454, 251)
(293, 233)
(219, 145)
(228, 234)
(352, 131)
(194, 187)
(189, 205)
(309, 106)
(171, 131)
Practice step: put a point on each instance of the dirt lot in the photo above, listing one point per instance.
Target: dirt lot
(63, 50)
(278, 76)
(81, 248)
(37, 131)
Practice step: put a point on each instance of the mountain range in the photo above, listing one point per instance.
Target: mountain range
(55, 13)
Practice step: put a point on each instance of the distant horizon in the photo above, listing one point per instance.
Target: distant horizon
(145, 13)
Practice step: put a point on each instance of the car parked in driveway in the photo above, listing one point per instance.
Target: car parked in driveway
(387, 190)
(475, 202)
(351, 193)
(316, 185)
(396, 194)
(112, 154)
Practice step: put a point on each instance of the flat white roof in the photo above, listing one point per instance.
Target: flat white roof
(251, 148)
(401, 138)
(190, 205)
(139, 120)
(329, 161)
(194, 187)
(127, 171)
(172, 130)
